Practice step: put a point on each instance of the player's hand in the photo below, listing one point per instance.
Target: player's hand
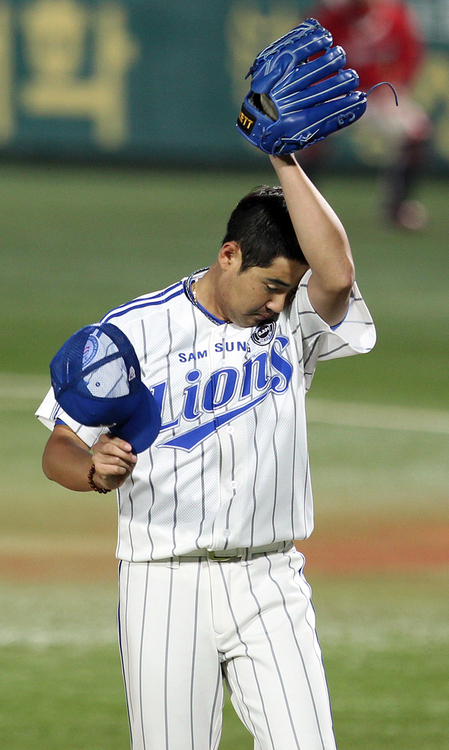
(113, 460)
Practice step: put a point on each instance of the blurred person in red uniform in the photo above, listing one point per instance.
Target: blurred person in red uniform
(383, 42)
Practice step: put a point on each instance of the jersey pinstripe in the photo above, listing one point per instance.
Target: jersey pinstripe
(230, 466)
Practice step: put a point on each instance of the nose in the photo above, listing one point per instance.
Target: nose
(276, 304)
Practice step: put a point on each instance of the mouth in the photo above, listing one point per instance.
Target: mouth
(266, 316)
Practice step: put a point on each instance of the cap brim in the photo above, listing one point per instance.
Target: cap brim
(142, 428)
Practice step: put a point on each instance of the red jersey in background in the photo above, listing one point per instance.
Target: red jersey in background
(381, 38)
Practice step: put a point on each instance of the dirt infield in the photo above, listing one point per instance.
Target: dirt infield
(383, 546)
(400, 546)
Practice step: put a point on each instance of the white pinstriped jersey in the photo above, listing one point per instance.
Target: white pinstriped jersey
(230, 465)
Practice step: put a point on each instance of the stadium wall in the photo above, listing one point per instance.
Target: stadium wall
(158, 82)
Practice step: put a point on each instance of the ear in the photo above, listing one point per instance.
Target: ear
(230, 256)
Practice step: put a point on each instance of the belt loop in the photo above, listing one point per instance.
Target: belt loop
(174, 562)
(246, 558)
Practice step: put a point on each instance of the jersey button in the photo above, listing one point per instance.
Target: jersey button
(234, 485)
(230, 429)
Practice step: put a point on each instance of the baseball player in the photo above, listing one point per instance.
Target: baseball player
(384, 42)
(212, 588)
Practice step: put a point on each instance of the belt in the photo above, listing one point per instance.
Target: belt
(223, 555)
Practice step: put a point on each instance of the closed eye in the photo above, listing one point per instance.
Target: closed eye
(274, 289)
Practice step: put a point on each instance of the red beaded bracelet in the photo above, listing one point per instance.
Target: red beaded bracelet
(92, 483)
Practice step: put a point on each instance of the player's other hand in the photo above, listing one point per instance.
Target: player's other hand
(113, 460)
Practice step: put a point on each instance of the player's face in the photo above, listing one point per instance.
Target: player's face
(260, 294)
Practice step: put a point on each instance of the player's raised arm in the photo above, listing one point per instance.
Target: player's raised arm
(300, 94)
(322, 238)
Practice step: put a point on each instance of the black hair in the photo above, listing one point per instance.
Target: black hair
(260, 224)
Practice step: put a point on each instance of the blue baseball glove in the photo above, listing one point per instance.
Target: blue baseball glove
(294, 101)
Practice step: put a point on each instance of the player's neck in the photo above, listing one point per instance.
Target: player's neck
(205, 293)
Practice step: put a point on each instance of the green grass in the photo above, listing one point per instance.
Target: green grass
(62, 697)
(385, 644)
(385, 647)
(390, 700)
(358, 473)
(77, 242)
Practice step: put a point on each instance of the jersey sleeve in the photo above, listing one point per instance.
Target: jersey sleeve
(356, 334)
(49, 411)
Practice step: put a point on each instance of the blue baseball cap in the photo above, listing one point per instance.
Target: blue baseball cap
(96, 379)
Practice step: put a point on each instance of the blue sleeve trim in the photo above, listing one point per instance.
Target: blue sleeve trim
(334, 328)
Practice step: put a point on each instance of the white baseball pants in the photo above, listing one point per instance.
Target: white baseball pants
(184, 626)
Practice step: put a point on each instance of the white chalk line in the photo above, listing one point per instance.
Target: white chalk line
(395, 633)
(25, 393)
(377, 416)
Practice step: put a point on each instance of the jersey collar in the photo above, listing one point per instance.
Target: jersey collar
(188, 283)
